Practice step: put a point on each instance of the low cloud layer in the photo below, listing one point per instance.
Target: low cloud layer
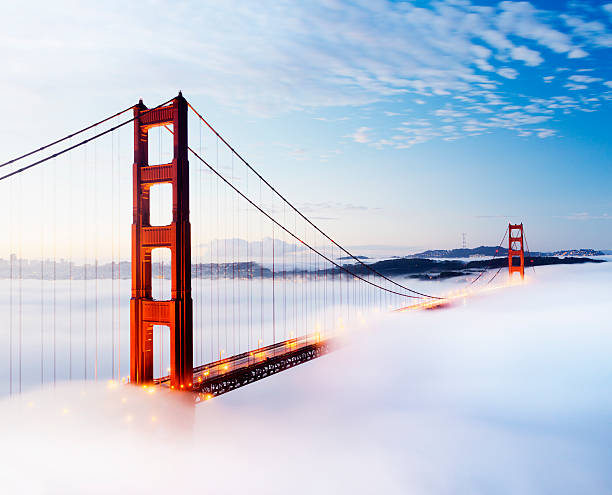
(507, 392)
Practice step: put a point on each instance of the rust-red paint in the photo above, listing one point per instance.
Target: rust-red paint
(515, 248)
(176, 313)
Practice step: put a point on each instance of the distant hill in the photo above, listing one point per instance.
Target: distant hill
(461, 252)
(579, 252)
(491, 251)
(429, 269)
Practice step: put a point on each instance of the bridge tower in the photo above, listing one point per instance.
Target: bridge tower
(176, 313)
(515, 248)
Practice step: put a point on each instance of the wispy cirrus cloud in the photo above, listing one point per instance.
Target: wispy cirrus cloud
(280, 56)
(335, 206)
(361, 135)
(583, 216)
(583, 79)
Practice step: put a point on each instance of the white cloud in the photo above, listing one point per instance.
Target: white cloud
(587, 216)
(609, 84)
(325, 119)
(545, 133)
(577, 53)
(575, 87)
(360, 52)
(480, 109)
(579, 78)
(449, 112)
(333, 206)
(592, 32)
(522, 19)
(267, 58)
(530, 57)
(508, 73)
(484, 65)
(361, 135)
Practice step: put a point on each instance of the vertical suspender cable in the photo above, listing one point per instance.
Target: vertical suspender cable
(85, 196)
(201, 280)
(223, 266)
(198, 282)
(70, 256)
(273, 291)
(261, 278)
(250, 269)
(43, 210)
(119, 255)
(284, 278)
(160, 266)
(54, 272)
(212, 326)
(306, 259)
(95, 218)
(11, 256)
(54, 209)
(233, 241)
(239, 301)
(112, 179)
(218, 232)
(294, 289)
(20, 290)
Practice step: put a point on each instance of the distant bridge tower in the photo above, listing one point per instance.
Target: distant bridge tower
(515, 249)
(176, 313)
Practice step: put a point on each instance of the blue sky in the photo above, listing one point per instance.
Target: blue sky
(394, 123)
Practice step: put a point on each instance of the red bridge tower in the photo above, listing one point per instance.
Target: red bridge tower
(176, 313)
(515, 248)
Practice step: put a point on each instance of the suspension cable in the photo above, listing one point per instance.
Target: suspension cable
(373, 270)
(85, 141)
(490, 261)
(291, 233)
(42, 148)
(529, 251)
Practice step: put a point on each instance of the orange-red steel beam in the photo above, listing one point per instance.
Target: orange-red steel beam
(515, 248)
(176, 313)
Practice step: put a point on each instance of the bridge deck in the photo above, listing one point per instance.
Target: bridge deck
(227, 374)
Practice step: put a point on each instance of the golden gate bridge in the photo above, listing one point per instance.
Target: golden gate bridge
(229, 281)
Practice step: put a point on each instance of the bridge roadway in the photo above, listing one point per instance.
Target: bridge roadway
(229, 373)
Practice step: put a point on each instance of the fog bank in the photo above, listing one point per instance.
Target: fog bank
(506, 392)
